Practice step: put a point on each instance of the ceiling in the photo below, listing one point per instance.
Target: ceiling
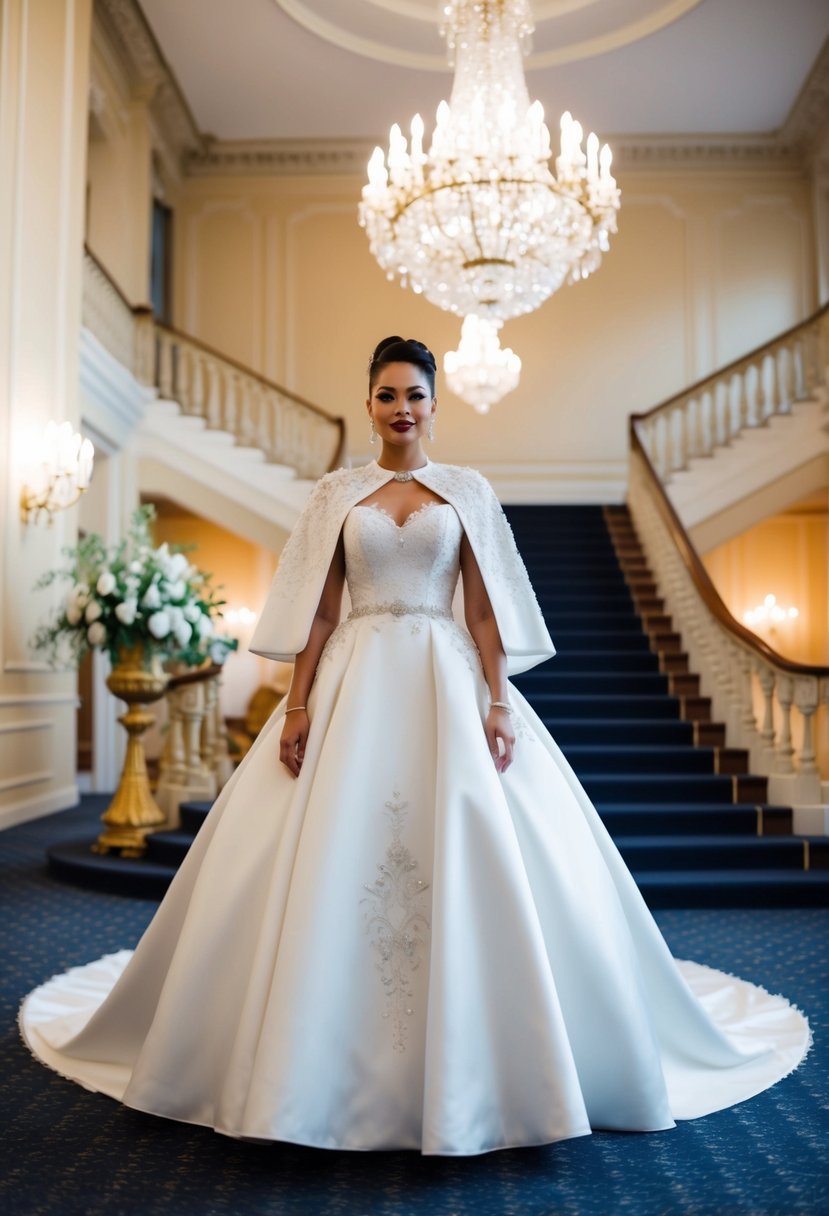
(283, 69)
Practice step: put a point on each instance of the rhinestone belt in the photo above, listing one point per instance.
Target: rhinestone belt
(398, 608)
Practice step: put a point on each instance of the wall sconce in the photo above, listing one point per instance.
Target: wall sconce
(66, 473)
(769, 613)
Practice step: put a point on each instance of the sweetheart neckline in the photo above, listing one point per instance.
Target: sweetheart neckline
(375, 506)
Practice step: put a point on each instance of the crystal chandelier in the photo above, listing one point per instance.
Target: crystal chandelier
(481, 225)
(481, 371)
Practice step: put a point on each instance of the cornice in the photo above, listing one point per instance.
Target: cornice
(347, 157)
(148, 75)
(807, 125)
(280, 157)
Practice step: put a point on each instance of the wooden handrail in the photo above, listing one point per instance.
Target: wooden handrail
(734, 366)
(693, 562)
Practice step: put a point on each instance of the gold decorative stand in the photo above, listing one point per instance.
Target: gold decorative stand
(139, 680)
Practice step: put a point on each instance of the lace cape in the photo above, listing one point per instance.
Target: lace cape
(285, 621)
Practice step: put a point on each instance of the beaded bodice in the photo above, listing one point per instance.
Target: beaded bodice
(415, 564)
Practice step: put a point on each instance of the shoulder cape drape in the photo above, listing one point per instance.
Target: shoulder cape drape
(285, 621)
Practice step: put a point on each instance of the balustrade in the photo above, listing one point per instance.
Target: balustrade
(746, 394)
(206, 384)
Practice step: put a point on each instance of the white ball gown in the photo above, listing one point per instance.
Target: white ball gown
(403, 948)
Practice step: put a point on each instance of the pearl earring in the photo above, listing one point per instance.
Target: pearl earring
(372, 433)
(432, 427)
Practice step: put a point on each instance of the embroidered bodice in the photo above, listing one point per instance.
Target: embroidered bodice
(416, 564)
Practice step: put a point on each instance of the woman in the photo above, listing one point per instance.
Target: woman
(403, 924)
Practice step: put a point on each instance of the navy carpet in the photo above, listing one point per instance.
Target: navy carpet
(67, 1151)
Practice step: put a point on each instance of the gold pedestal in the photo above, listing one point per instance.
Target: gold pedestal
(133, 811)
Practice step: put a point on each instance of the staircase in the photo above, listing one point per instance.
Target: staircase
(692, 823)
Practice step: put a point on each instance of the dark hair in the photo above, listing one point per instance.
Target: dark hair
(399, 350)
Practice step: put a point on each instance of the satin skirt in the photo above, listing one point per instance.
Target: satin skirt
(403, 948)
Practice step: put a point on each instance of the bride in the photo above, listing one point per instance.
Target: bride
(403, 924)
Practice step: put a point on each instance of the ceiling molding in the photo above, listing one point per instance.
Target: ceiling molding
(349, 157)
(148, 76)
(345, 34)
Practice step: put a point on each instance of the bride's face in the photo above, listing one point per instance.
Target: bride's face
(401, 404)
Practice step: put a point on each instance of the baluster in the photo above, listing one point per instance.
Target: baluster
(791, 377)
(765, 675)
(682, 410)
(774, 397)
(744, 407)
(197, 394)
(165, 366)
(760, 418)
(785, 749)
(806, 700)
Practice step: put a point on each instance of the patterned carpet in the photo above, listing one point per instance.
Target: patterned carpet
(68, 1151)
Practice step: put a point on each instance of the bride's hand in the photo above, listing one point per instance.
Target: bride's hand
(498, 726)
(293, 739)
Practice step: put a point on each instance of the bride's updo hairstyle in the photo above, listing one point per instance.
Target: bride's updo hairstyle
(399, 350)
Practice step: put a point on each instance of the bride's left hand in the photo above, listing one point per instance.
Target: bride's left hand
(498, 726)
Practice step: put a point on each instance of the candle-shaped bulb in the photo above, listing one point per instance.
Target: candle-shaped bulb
(605, 160)
(592, 157)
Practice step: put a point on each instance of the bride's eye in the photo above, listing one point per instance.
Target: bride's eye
(384, 397)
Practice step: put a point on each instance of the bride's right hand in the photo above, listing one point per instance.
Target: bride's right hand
(293, 739)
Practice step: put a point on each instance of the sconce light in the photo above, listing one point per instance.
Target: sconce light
(67, 471)
(769, 613)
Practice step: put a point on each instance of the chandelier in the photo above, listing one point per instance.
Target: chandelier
(481, 225)
(481, 371)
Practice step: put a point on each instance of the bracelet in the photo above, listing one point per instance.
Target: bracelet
(293, 707)
(501, 705)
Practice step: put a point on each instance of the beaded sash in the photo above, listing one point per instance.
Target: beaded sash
(398, 608)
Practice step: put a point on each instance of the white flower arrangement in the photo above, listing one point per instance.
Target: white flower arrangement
(134, 594)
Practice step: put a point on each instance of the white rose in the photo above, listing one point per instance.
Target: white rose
(151, 599)
(159, 624)
(93, 611)
(183, 632)
(126, 612)
(176, 589)
(80, 594)
(205, 626)
(192, 612)
(178, 564)
(96, 634)
(106, 583)
(73, 609)
(136, 567)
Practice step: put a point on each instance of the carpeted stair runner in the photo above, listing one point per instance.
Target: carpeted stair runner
(691, 822)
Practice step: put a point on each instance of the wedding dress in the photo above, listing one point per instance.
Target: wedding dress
(403, 948)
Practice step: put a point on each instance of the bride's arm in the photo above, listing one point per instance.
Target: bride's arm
(326, 618)
(482, 625)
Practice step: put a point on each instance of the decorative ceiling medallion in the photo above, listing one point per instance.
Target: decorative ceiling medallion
(406, 32)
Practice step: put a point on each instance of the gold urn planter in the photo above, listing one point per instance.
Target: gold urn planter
(138, 679)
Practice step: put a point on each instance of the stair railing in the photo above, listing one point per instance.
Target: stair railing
(753, 689)
(207, 384)
(744, 394)
(195, 763)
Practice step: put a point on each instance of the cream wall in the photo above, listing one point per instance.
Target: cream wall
(119, 174)
(275, 272)
(44, 83)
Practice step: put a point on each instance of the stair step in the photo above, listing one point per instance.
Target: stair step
(653, 787)
(586, 639)
(717, 852)
(580, 706)
(733, 888)
(599, 660)
(592, 683)
(689, 818)
(613, 731)
(616, 759)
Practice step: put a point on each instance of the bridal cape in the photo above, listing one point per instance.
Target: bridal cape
(403, 948)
